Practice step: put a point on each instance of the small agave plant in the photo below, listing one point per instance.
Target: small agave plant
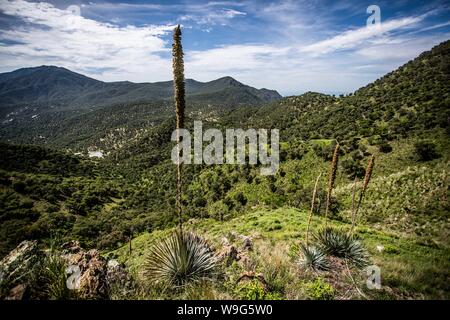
(313, 258)
(180, 259)
(340, 244)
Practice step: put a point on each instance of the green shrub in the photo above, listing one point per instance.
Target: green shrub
(390, 249)
(218, 210)
(353, 168)
(385, 147)
(52, 274)
(253, 290)
(250, 290)
(425, 150)
(320, 290)
(240, 198)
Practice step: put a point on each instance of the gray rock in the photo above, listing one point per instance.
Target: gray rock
(17, 293)
(247, 244)
(19, 262)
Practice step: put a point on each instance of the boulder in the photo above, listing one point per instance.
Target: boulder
(90, 274)
(18, 292)
(71, 247)
(118, 280)
(92, 268)
(228, 254)
(247, 243)
(19, 262)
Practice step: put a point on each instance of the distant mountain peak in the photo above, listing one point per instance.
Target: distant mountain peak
(227, 80)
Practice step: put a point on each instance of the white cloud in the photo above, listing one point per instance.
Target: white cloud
(61, 37)
(213, 17)
(354, 38)
(233, 58)
(289, 71)
(109, 52)
(401, 50)
(433, 27)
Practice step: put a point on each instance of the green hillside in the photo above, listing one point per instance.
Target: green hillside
(409, 269)
(401, 119)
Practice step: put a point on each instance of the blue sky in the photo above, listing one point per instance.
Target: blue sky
(290, 46)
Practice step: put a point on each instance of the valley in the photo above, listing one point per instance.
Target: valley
(53, 190)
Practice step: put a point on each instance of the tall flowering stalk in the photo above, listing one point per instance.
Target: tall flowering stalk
(180, 105)
(331, 179)
(367, 177)
(313, 204)
(354, 196)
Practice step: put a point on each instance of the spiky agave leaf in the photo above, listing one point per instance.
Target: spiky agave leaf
(338, 243)
(179, 259)
(333, 242)
(313, 258)
(357, 254)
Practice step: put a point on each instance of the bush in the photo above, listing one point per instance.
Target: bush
(385, 147)
(253, 290)
(240, 198)
(353, 168)
(276, 271)
(218, 210)
(52, 278)
(180, 259)
(320, 290)
(425, 150)
(19, 186)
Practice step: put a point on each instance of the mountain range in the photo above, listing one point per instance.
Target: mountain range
(60, 87)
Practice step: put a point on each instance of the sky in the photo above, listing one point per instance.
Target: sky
(290, 46)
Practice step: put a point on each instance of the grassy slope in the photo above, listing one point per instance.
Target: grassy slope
(409, 269)
(405, 211)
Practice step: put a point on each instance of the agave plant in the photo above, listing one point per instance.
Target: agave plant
(357, 254)
(340, 244)
(179, 259)
(333, 242)
(313, 258)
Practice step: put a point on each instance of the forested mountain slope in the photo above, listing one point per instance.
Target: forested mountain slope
(402, 119)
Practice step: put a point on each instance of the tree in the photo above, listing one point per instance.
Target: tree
(425, 150)
(385, 147)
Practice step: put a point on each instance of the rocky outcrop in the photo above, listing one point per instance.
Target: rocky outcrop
(230, 252)
(251, 275)
(88, 271)
(16, 266)
(99, 278)
(90, 275)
